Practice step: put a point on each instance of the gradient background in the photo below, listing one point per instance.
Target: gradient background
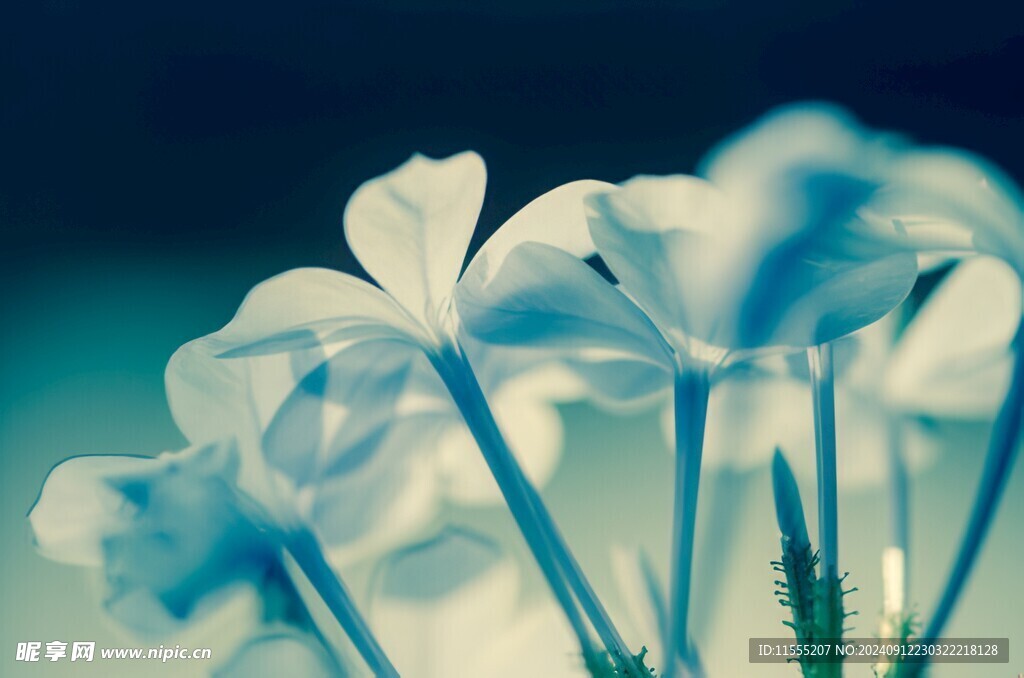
(157, 161)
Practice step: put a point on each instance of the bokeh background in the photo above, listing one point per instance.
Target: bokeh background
(158, 159)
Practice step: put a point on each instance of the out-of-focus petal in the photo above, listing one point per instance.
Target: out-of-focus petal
(556, 218)
(382, 496)
(532, 428)
(410, 229)
(803, 137)
(953, 360)
(951, 200)
(771, 412)
(440, 605)
(620, 383)
(77, 508)
(338, 404)
(281, 654)
(644, 600)
(168, 530)
(542, 296)
(537, 643)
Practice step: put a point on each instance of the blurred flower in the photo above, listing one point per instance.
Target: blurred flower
(451, 607)
(930, 200)
(281, 652)
(167, 532)
(178, 538)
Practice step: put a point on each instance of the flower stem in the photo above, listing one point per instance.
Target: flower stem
(899, 484)
(823, 391)
(549, 548)
(692, 389)
(304, 548)
(1002, 451)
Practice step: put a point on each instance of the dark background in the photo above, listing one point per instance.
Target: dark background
(237, 127)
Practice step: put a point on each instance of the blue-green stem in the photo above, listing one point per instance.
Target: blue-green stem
(823, 392)
(691, 392)
(308, 554)
(1002, 452)
(899, 497)
(549, 549)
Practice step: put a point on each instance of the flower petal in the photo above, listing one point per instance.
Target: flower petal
(669, 242)
(410, 229)
(76, 507)
(802, 138)
(953, 360)
(280, 654)
(359, 384)
(533, 429)
(773, 411)
(544, 297)
(950, 200)
(556, 218)
(441, 603)
(800, 298)
(644, 599)
(380, 498)
(303, 307)
(168, 531)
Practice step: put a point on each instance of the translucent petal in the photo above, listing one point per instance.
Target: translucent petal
(799, 299)
(212, 398)
(817, 136)
(544, 297)
(621, 383)
(280, 654)
(537, 643)
(950, 200)
(361, 382)
(410, 229)
(384, 498)
(76, 508)
(532, 428)
(296, 312)
(802, 167)
(440, 603)
(556, 218)
(167, 531)
(669, 242)
(644, 600)
(953, 360)
(772, 409)
(305, 306)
